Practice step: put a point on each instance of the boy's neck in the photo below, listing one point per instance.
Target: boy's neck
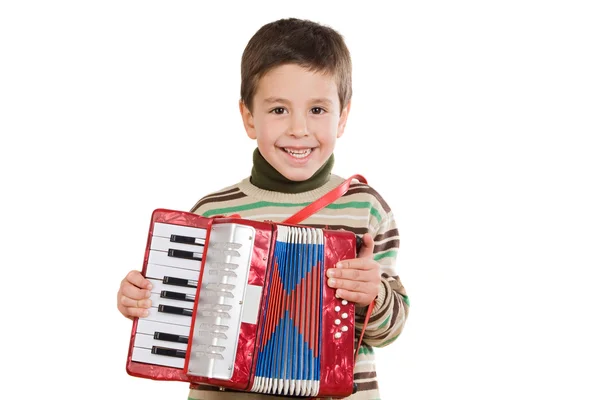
(264, 176)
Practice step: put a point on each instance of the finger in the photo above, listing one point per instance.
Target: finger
(354, 286)
(132, 312)
(361, 299)
(131, 308)
(137, 279)
(353, 274)
(133, 292)
(365, 263)
(366, 250)
(127, 302)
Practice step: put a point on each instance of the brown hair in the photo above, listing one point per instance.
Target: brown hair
(294, 41)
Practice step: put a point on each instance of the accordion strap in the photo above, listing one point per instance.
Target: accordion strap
(328, 198)
(317, 205)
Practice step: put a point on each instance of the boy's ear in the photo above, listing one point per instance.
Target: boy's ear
(248, 120)
(343, 119)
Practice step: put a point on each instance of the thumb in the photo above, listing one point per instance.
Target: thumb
(366, 250)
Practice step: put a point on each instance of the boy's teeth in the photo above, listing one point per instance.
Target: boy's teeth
(298, 153)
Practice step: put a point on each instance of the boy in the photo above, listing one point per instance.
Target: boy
(295, 100)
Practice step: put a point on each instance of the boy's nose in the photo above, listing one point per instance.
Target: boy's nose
(298, 126)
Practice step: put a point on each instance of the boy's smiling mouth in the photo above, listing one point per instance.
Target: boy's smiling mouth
(298, 153)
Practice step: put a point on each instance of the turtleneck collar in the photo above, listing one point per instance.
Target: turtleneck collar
(264, 176)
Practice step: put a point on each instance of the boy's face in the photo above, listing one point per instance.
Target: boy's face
(296, 120)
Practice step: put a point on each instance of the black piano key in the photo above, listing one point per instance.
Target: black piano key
(175, 310)
(188, 255)
(164, 351)
(165, 294)
(169, 337)
(186, 240)
(171, 280)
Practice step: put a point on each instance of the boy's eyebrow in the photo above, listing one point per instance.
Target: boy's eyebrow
(270, 100)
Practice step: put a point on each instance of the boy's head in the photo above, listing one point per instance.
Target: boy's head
(295, 94)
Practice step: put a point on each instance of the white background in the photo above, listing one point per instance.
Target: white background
(477, 121)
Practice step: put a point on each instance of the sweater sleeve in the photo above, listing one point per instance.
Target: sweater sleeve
(391, 304)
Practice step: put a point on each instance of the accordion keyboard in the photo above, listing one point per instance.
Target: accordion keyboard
(174, 267)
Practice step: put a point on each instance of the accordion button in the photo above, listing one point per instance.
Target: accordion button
(337, 308)
(344, 328)
(337, 335)
(345, 315)
(344, 302)
(337, 322)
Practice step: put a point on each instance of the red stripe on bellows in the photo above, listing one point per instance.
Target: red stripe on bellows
(301, 308)
(314, 311)
(319, 307)
(309, 337)
(308, 307)
(275, 295)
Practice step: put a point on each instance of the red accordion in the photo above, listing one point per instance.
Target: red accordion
(245, 305)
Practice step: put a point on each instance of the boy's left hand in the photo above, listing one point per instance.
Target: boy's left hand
(358, 279)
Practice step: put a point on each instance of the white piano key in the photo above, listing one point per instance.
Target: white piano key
(162, 258)
(164, 244)
(154, 315)
(141, 354)
(149, 327)
(160, 271)
(156, 300)
(147, 341)
(158, 286)
(166, 230)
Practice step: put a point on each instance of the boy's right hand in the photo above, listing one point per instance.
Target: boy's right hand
(133, 298)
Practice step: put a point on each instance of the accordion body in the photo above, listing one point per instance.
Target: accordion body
(245, 305)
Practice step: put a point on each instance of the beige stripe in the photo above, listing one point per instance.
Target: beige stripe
(280, 217)
(210, 395)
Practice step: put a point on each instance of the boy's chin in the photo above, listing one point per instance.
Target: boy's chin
(298, 176)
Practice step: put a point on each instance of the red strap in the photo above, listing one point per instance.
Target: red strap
(367, 315)
(328, 198)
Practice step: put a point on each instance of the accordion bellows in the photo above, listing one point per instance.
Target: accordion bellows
(245, 305)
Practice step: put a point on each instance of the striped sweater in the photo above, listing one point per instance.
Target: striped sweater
(360, 210)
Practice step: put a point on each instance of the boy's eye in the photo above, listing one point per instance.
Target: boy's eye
(314, 110)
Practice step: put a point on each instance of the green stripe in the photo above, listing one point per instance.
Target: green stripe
(250, 206)
(262, 204)
(406, 300)
(384, 322)
(390, 253)
(365, 350)
(389, 341)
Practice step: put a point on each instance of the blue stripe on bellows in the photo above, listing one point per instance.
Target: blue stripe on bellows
(276, 356)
